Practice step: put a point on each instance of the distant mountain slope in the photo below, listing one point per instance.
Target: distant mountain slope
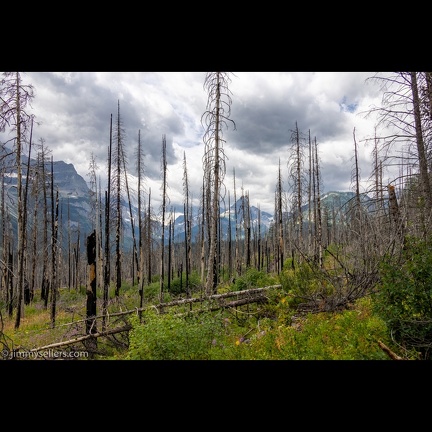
(75, 207)
(74, 194)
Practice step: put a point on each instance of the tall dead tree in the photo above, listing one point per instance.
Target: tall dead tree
(357, 225)
(14, 99)
(54, 248)
(279, 234)
(215, 117)
(95, 209)
(134, 243)
(311, 192)
(91, 285)
(203, 233)
(247, 228)
(140, 174)
(149, 240)
(119, 135)
(69, 241)
(230, 265)
(107, 275)
(317, 204)
(421, 149)
(187, 225)
(7, 254)
(42, 159)
(27, 290)
(295, 166)
(163, 213)
(395, 213)
(237, 257)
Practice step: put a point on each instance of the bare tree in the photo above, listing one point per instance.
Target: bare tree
(96, 213)
(215, 117)
(148, 231)
(421, 150)
(280, 240)
(14, 99)
(27, 291)
(91, 285)
(54, 248)
(187, 224)
(238, 263)
(134, 246)
(317, 204)
(107, 275)
(118, 187)
(296, 175)
(405, 122)
(42, 160)
(140, 173)
(165, 201)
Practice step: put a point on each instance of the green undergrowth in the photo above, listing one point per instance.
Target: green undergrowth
(257, 331)
(349, 335)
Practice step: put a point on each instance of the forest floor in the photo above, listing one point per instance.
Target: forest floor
(252, 330)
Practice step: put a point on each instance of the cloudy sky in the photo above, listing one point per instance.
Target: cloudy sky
(74, 110)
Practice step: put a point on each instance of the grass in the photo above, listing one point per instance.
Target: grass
(268, 331)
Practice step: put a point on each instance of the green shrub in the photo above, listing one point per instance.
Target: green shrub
(302, 283)
(253, 278)
(178, 285)
(404, 297)
(171, 337)
(350, 335)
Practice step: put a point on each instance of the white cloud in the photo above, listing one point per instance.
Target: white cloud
(75, 110)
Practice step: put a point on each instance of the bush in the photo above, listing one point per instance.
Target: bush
(349, 335)
(404, 297)
(178, 285)
(253, 278)
(303, 283)
(171, 337)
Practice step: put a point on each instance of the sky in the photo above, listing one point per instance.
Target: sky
(74, 110)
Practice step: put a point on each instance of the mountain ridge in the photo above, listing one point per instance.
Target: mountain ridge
(75, 205)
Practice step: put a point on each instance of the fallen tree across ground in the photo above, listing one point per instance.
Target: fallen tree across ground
(216, 301)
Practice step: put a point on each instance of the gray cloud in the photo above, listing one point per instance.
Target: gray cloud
(75, 109)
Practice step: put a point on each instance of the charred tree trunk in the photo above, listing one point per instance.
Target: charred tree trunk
(426, 186)
(91, 287)
(54, 270)
(107, 236)
(318, 222)
(164, 203)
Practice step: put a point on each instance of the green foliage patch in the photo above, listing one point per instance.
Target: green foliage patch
(404, 297)
(253, 278)
(350, 335)
(171, 337)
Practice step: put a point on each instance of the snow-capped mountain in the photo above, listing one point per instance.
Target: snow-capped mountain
(260, 221)
(77, 206)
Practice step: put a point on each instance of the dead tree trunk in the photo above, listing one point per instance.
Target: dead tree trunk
(91, 288)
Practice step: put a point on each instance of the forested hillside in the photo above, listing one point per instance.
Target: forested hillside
(328, 275)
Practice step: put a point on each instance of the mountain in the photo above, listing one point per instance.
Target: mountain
(259, 220)
(74, 195)
(337, 203)
(75, 207)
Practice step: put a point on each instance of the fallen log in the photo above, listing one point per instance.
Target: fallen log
(83, 338)
(251, 297)
(183, 302)
(389, 352)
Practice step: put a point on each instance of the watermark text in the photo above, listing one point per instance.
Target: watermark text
(48, 354)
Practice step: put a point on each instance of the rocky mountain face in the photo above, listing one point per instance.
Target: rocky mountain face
(260, 221)
(74, 204)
